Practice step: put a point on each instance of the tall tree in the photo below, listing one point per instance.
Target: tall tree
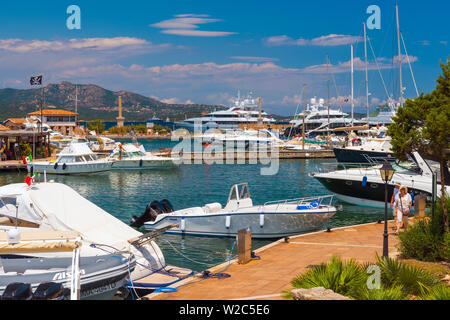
(423, 125)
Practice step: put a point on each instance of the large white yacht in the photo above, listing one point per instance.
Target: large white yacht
(320, 118)
(244, 110)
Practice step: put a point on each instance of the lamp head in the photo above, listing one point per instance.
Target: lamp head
(386, 172)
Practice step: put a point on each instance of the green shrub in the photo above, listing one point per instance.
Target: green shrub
(440, 292)
(427, 240)
(346, 278)
(393, 293)
(398, 280)
(119, 130)
(398, 274)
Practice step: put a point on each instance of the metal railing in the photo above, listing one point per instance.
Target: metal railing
(326, 200)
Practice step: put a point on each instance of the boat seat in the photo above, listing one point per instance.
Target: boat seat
(212, 207)
(194, 210)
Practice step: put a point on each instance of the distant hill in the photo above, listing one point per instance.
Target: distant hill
(95, 102)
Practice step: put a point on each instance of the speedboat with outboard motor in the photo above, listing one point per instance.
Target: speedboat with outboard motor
(362, 185)
(50, 207)
(75, 158)
(274, 219)
(130, 156)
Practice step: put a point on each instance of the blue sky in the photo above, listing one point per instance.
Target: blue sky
(204, 51)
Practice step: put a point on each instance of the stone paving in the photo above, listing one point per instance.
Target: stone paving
(281, 261)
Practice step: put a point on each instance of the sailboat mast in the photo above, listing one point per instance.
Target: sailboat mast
(328, 96)
(367, 79)
(399, 57)
(351, 57)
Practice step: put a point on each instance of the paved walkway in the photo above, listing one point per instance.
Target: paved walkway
(280, 262)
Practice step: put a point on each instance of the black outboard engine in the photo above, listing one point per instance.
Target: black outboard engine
(17, 291)
(167, 206)
(49, 291)
(151, 212)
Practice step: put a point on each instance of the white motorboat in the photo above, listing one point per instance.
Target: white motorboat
(50, 207)
(369, 149)
(73, 159)
(362, 185)
(130, 156)
(273, 219)
(246, 139)
(103, 144)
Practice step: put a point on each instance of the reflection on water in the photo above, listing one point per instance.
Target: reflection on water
(124, 193)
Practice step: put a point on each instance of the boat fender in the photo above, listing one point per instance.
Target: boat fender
(140, 163)
(182, 224)
(56, 165)
(228, 221)
(364, 181)
(2, 146)
(64, 166)
(261, 220)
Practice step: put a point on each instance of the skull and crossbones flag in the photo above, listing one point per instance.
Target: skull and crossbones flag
(36, 81)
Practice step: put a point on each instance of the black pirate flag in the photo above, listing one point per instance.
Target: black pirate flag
(36, 81)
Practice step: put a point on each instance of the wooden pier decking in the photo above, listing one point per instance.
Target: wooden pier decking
(281, 261)
(255, 156)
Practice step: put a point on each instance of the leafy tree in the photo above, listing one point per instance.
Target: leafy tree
(423, 125)
(96, 125)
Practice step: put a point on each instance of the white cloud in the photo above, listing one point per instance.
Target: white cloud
(97, 44)
(187, 25)
(324, 41)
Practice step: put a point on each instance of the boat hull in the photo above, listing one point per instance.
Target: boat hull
(70, 168)
(353, 191)
(271, 225)
(100, 279)
(144, 164)
(360, 156)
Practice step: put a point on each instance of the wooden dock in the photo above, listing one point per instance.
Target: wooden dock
(18, 165)
(280, 262)
(255, 156)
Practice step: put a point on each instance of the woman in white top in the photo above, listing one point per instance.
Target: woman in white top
(403, 205)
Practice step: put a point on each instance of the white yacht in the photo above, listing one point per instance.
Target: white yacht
(130, 156)
(362, 185)
(366, 149)
(245, 139)
(243, 111)
(320, 118)
(75, 158)
(274, 219)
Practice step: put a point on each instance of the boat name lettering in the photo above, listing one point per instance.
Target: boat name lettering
(64, 275)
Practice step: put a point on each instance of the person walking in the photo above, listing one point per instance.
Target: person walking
(394, 198)
(403, 205)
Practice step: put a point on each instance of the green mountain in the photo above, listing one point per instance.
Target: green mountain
(94, 102)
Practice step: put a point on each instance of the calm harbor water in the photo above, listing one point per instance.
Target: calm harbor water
(125, 193)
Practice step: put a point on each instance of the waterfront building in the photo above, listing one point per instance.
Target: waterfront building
(59, 120)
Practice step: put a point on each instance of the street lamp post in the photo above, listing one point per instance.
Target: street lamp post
(386, 172)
